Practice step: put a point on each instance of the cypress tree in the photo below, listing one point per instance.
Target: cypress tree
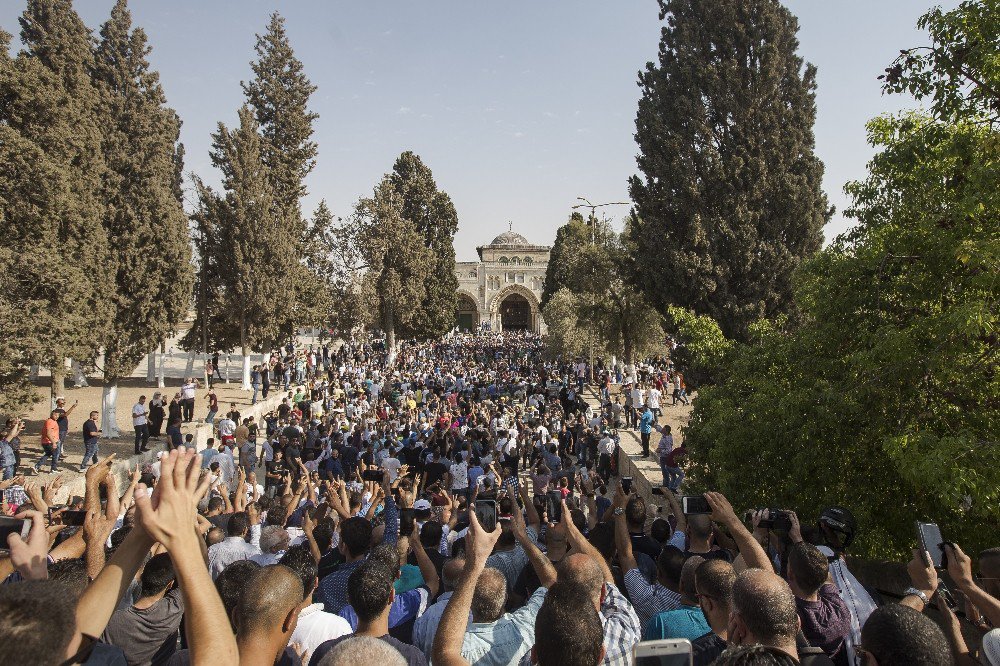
(730, 201)
(433, 215)
(248, 243)
(151, 262)
(570, 239)
(279, 96)
(51, 185)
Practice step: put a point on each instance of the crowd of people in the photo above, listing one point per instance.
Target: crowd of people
(458, 502)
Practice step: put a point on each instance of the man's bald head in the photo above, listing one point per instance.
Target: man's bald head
(766, 605)
(271, 594)
(490, 596)
(582, 570)
(451, 572)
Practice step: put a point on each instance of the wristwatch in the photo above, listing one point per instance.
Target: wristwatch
(619, 511)
(916, 593)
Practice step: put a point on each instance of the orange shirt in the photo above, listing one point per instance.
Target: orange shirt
(50, 431)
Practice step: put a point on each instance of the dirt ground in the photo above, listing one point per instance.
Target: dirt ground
(89, 399)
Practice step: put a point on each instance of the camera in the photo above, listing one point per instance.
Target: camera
(776, 520)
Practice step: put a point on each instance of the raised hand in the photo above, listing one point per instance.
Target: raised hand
(478, 542)
(168, 515)
(30, 557)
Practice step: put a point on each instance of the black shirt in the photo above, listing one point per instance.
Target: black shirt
(90, 431)
(706, 649)
(435, 472)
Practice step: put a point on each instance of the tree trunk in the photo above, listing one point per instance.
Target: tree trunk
(389, 324)
(109, 417)
(33, 373)
(79, 379)
(151, 366)
(59, 378)
(245, 381)
(160, 383)
(189, 368)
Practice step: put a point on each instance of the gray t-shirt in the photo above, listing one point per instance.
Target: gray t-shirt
(147, 636)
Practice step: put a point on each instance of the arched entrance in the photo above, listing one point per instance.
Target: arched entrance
(515, 313)
(466, 313)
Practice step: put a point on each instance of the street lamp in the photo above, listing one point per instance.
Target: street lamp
(593, 239)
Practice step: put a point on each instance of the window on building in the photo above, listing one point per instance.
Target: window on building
(528, 261)
(520, 278)
(472, 274)
(503, 261)
(515, 261)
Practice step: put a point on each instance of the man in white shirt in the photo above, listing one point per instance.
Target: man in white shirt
(188, 389)
(653, 400)
(315, 626)
(141, 425)
(392, 465)
(234, 547)
(459, 476)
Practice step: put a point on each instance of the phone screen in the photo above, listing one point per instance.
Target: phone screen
(486, 512)
(10, 526)
(932, 542)
(553, 505)
(695, 504)
(74, 517)
(676, 659)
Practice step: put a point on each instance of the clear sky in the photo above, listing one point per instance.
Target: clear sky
(518, 107)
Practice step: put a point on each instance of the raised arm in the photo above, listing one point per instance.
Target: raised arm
(169, 518)
(753, 553)
(960, 569)
(531, 514)
(451, 630)
(543, 567)
(675, 509)
(427, 569)
(580, 544)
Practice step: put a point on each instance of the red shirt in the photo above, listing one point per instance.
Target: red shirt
(50, 431)
(674, 457)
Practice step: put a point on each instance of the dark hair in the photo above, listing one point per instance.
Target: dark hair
(72, 573)
(809, 566)
(300, 560)
(635, 511)
(216, 503)
(369, 589)
(356, 535)
(715, 578)
(157, 575)
(231, 582)
(430, 534)
(754, 655)
(897, 635)
(568, 630)
(323, 534)
(36, 623)
(238, 524)
(670, 563)
(661, 530)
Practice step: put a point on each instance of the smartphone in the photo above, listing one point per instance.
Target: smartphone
(371, 475)
(670, 652)
(70, 517)
(553, 505)
(626, 484)
(406, 519)
(692, 505)
(10, 526)
(486, 513)
(932, 541)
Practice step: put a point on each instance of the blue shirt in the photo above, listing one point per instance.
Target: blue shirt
(685, 622)
(646, 424)
(405, 607)
(506, 640)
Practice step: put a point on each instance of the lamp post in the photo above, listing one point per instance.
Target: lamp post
(593, 240)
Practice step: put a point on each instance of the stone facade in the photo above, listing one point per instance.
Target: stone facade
(504, 288)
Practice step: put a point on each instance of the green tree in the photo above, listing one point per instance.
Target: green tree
(433, 215)
(51, 182)
(393, 255)
(570, 237)
(151, 262)
(247, 241)
(279, 96)
(730, 199)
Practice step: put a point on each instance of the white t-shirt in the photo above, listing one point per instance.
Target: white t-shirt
(316, 626)
(187, 390)
(653, 399)
(392, 465)
(139, 414)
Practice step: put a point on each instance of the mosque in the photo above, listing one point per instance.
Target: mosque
(504, 288)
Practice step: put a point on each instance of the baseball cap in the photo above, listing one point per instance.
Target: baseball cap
(421, 505)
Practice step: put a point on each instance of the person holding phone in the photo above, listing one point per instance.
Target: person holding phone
(91, 437)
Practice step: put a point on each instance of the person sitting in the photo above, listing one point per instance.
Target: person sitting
(688, 621)
(823, 615)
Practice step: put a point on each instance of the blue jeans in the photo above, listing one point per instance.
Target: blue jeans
(672, 476)
(256, 387)
(210, 419)
(53, 451)
(141, 437)
(90, 454)
(9, 471)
